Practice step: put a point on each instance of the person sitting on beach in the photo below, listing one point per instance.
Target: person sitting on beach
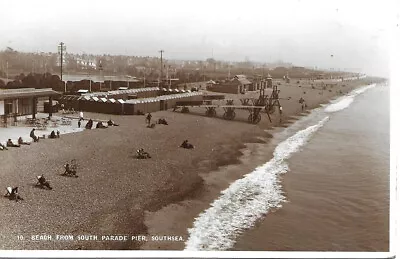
(33, 136)
(162, 121)
(22, 142)
(187, 145)
(69, 170)
(58, 134)
(141, 154)
(12, 193)
(148, 118)
(151, 126)
(11, 144)
(42, 182)
(111, 123)
(100, 125)
(2, 147)
(89, 124)
(52, 134)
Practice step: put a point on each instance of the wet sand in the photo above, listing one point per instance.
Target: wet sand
(119, 194)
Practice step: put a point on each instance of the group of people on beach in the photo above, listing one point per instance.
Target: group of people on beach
(141, 154)
(159, 121)
(70, 170)
(53, 134)
(35, 138)
(13, 194)
(71, 167)
(99, 125)
(10, 143)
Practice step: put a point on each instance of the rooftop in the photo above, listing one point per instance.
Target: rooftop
(26, 92)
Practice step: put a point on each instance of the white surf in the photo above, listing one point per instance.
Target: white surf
(344, 102)
(247, 199)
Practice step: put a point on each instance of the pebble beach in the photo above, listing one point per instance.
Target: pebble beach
(119, 195)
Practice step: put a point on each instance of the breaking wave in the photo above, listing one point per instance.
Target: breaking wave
(247, 199)
(344, 102)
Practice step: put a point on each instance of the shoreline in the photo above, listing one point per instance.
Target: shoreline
(150, 194)
(329, 186)
(190, 207)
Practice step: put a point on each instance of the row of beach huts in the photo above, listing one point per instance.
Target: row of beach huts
(130, 101)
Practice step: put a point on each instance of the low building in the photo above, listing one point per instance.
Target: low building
(210, 84)
(243, 82)
(238, 84)
(23, 101)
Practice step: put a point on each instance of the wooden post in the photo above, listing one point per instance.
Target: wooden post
(34, 107)
(51, 106)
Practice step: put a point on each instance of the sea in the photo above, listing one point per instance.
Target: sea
(326, 188)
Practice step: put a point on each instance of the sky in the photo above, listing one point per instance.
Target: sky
(349, 35)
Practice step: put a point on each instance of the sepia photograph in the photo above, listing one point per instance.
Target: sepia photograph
(197, 128)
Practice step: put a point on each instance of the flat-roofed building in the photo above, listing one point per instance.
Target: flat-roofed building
(23, 101)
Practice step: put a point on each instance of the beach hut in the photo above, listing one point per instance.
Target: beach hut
(103, 106)
(138, 106)
(124, 108)
(94, 104)
(83, 103)
(113, 106)
(120, 104)
(155, 105)
(74, 102)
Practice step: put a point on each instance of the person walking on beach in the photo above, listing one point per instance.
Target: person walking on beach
(148, 118)
(302, 101)
(81, 115)
(79, 123)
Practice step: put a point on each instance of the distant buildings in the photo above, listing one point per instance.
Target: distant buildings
(86, 64)
(238, 84)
